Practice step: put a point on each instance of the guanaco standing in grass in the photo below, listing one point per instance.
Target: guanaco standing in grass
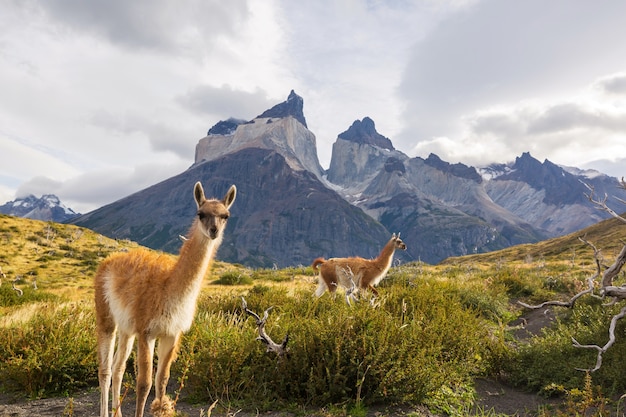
(149, 296)
(356, 273)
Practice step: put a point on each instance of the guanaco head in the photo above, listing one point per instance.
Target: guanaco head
(213, 214)
(399, 244)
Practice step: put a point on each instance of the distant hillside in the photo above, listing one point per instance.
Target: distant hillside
(609, 236)
(54, 257)
(281, 216)
(58, 259)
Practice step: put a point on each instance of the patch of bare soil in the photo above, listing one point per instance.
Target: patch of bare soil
(87, 404)
(493, 395)
(502, 398)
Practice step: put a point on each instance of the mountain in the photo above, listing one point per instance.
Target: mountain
(550, 197)
(48, 208)
(289, 210)
(283, 215)
(281, 128)
(439, 208)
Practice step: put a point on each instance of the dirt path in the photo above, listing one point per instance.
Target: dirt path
(86, 405)
(493, 395)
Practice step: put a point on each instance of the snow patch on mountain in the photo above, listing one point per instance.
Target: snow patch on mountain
(47, 208)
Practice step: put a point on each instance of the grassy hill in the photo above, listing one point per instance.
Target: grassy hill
(431, 333)
(60, 259)
(606, 235)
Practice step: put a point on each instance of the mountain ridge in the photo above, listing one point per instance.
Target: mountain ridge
(290, 210)
(48, 207)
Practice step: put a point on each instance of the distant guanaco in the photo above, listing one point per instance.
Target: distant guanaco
(149, 296)
(356, 272)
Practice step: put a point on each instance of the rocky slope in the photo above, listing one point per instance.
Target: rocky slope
(281, 217)
(281, 128)
(440, 208)
(550, 197)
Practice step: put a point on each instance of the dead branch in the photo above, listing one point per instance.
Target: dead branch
(568, 304)
(17, 290)
(601, 203)
(608, 344)
(353, 290)
(280, 349)
(613, 270)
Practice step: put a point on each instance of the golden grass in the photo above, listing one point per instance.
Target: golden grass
(56, 258)
(607, 235)
(61, 259)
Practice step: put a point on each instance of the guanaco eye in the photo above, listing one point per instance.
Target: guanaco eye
(224, 216)
(201, 215)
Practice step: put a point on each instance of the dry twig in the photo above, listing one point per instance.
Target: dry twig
(279, 348)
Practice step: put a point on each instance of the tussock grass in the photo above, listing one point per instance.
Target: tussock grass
(52, 352)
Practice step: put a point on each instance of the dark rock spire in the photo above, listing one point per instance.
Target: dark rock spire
(292, 107)
(364, 131)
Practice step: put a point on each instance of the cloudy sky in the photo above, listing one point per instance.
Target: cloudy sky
(102, 99)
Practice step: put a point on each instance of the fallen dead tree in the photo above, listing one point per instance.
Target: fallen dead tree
(606, 289)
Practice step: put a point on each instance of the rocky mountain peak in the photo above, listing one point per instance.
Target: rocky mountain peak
(458, 170)
(558, 185)
(526, 162)
(292, 107)
(281, 128)
(226, 127)
(364, 131)
(48, 208)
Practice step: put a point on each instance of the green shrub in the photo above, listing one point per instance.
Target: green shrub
(275, 275)
(9, 297)
(552, 360)
(233, 278)
(52, 353)
(417, 343)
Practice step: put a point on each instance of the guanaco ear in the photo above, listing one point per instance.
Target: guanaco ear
(229, 198)
(198, 194)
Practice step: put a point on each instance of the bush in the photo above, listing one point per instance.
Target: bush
(52, 353)
(417, 343)
(9, 297)
(552, 360)
(233, 278)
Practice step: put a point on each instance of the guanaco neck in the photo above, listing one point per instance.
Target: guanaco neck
(193, 261)
(386, 254)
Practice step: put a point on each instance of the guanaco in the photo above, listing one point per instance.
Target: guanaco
(356, 272)
(150, 296)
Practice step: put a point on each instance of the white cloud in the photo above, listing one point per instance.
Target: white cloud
(226, 102)
(612, 84)
(500, 53)
(144, 24)
(25, 159)
(95, 94)
(583, 131)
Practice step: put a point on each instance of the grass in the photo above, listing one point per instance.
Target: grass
(434, 329)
